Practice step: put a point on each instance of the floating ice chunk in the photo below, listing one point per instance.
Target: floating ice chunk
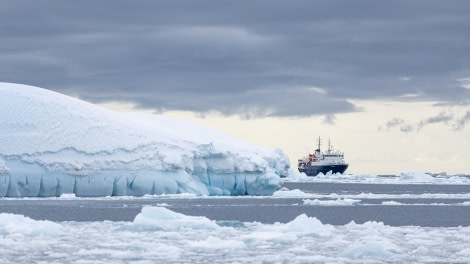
(296, 193)
(328, 175)
(68, 196)
(391, 203)
(366, 250)
(162, 219)
(464, 252)
(416, 176)
(308, 225)
(421, 251)
(370, 226)
(302, 225)
(293, 174)
(11, 224)
(217, 244)
(337, 202)
(269, 236)
(231, 223)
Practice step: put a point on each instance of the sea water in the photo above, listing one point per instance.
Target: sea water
(306, 222)
(396, 205)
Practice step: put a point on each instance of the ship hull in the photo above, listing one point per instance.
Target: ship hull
(313, 170)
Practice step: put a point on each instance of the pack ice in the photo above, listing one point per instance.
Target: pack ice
(51, 144)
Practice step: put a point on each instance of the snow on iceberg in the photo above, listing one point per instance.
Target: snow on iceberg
(53, 144)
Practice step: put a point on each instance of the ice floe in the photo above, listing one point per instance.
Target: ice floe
(405, 177)
(160, 235)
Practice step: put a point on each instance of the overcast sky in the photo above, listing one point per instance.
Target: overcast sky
(250, 59)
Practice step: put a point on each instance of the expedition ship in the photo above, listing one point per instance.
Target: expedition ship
(323, 161)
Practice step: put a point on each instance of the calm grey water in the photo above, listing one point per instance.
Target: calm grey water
(411, 211)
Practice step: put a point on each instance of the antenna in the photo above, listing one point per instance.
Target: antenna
(330, 148)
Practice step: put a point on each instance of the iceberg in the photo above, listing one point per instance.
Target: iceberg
(52, 144)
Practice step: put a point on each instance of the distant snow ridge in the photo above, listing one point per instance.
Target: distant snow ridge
(51, 144)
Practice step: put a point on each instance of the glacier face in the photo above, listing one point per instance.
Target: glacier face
(52, 144)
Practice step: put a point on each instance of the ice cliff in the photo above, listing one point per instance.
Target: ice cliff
(52, 144)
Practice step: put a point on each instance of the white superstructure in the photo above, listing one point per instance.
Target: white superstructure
(324, 162)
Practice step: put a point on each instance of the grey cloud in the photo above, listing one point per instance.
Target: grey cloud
(462, 121)
(329, 119)
(397, 123)
(445, 117)
(407, 128)
(391, 124)
(242, 57)
(442, 117)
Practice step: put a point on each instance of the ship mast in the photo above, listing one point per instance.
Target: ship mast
(319, 143)
(329, 146)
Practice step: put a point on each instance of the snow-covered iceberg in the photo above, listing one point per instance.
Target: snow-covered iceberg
(52, 144)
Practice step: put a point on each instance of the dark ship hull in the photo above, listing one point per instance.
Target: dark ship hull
(313, 170)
